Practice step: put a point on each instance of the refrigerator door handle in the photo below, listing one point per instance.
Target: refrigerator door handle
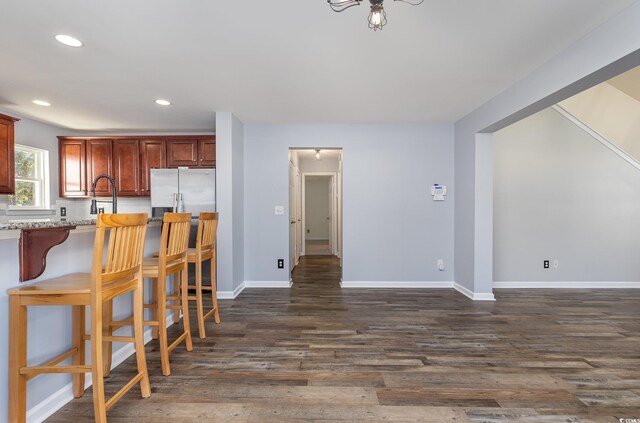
(175, 202)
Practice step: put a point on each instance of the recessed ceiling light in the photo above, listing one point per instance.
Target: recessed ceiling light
(163, 102)
(42, 103)
(68, 40)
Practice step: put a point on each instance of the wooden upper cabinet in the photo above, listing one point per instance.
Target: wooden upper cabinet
(99, 162)
(152, 156)
(126, 164)
(207, 152)
(182, 152)
(128, 160)
(73, 174)
(7, 155)
(192, 152)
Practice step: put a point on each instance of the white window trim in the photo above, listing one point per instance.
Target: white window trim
(45, 187)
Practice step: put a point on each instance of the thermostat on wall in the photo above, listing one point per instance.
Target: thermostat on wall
(438, 192)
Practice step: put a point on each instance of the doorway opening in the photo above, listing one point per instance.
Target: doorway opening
(315, 206)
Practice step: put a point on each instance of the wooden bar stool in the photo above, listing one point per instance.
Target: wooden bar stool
(171, 259)
(121, 274)
(205, 250)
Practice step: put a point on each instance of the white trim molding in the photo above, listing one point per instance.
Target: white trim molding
(604, 141)
(568, 285)
(397, 284)
(231, 295)
(268, 284)
(475, 296)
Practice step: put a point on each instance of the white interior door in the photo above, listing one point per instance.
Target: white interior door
(298, 216)
(330, 218)
(292, 216)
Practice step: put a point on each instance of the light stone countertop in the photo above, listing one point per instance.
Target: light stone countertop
(11, 230)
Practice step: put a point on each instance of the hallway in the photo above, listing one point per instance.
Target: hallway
(319, 353)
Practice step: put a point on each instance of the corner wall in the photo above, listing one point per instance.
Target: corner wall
(230, 202)
(607, 51)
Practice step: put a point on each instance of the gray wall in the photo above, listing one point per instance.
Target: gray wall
(313, 165)
(393, 230)
(39, 135)
(317, 208)
(229, 200)
(608, 50)
(561, 194)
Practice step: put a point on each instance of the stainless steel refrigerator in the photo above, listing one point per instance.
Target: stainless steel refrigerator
(183, 190)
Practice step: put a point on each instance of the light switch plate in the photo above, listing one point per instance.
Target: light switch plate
(279, 210)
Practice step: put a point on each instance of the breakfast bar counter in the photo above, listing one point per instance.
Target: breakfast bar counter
(49, 327)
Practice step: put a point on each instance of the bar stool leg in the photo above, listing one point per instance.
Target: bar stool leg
(79, 329)
(97, 364)
(107, 330)
(185, 305)
(138, 333)
(17, 360)
(161, 286)
(154, 309)
(214, 290)
(199, 305)
(176, 294)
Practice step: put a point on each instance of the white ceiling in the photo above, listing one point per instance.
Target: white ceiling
(281, 61)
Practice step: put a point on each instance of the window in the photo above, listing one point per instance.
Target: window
(32, 178)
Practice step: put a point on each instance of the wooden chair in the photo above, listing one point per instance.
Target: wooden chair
(205, 250)
(121, 274)
(171, 259)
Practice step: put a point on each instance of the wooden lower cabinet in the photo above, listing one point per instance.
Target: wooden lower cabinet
(7, 153)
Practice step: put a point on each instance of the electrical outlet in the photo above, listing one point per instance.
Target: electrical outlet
(440, 264)
(63, 211)
(280, 263)
(546, 264)
(101, 210)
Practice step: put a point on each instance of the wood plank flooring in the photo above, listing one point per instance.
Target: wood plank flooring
(321, 354)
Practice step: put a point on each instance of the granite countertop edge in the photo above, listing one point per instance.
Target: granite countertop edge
(56, 224)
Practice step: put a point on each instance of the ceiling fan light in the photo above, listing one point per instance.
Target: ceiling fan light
(377, 17)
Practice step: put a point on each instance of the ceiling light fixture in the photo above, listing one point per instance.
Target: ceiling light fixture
(377, 17)
(68, 40)
(42, 103)
(163, 102)
(317, 154)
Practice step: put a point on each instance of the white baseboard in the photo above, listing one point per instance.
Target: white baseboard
(268, 284)
(475, 296)
(397, 284)
(568, 285)
(230, 295)
(54, 402)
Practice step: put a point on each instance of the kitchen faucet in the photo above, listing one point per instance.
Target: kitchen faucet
(114, 198)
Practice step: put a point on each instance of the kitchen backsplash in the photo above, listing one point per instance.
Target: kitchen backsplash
(77, 209)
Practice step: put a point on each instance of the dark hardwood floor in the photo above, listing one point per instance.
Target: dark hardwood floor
(318, 353)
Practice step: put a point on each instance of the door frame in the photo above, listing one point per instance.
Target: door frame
(333, 206)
